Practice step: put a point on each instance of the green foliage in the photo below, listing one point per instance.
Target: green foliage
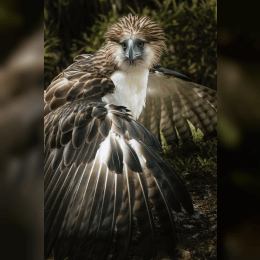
(51, 54)
(190, 27)
(193, 156)
(98, 30)
(191, 45)
(196, 155)
(96, 39)
(191, 37)
(51, 43)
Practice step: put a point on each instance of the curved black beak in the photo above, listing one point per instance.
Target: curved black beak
(129, 54)
(132, 49)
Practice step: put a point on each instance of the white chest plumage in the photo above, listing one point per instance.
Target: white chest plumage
(130, 89)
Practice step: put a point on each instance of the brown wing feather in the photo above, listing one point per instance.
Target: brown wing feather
(88, 77)
(172, 100)
(97, 165)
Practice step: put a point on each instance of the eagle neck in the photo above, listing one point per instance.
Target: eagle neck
(130, 89)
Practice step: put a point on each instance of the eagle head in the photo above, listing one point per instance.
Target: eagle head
(134, 42)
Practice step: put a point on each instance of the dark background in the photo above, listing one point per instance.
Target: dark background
(238, 135)
(21, 129)
(21, 187)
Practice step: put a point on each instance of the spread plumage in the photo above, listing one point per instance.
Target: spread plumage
(101, 168)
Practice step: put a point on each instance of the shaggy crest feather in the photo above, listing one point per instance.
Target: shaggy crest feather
(132, 27)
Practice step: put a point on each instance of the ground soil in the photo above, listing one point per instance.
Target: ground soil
(198, 233)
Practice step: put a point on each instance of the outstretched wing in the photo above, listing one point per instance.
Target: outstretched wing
(100, 170)
(172, 100)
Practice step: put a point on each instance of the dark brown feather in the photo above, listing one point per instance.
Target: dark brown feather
(84, 78)
(172, 100)
(74, 212)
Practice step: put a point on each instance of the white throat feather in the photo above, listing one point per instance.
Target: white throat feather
(130, 89)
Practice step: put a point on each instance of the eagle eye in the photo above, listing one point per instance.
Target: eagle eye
(140, 44)
(123, 45)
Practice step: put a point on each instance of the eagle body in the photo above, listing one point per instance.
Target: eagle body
(103, 176)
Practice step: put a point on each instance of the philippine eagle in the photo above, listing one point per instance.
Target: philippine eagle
(102, 174)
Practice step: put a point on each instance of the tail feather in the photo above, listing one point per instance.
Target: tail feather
(144, 218)
(98, 211)
(81, 222)
(81, 200)
(160, 203)
(124, 221)
(104, 239)
(55, 206)
(61, 249)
